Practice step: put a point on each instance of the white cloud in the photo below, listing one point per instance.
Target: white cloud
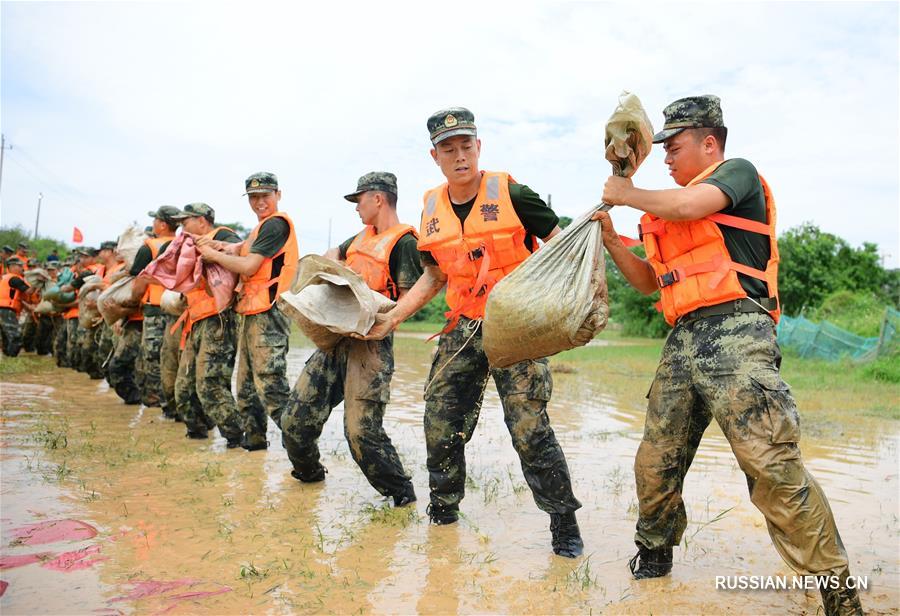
(118, 108)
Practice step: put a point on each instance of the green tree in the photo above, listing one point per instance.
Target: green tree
(38, 248)
(564, 221)
(237, 227)
(635, 311)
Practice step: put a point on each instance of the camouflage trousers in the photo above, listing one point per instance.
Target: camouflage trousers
(29, 332)
(262, 384)
(43, 344)
(169, 355)
(459, 373)
(90, 340)
(10, 332)
(105, 345)
(726, 367)
(203, 386)
(73, 343)
(60, 342)
(124, 375)
(359, 373)
(151, 345)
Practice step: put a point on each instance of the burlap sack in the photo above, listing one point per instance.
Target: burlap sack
(38, 278)
(130, 242)
(44, 307)
(328, 301)
(172, 302)
(115, 302)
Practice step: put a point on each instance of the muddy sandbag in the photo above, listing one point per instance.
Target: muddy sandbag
(59, 298)
(329, 301)
(555, 300)
(88, 314)
(172, 302)
(44, 307)
(115, 302)
(38, 278)
(130, 242)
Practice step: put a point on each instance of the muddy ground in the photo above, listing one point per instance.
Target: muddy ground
(162, 524)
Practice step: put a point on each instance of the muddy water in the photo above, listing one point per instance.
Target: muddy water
(191, 527)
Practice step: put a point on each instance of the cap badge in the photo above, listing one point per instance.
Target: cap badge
(254, 184)
(450, 121)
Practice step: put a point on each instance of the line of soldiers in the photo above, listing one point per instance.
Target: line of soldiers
(711, 252)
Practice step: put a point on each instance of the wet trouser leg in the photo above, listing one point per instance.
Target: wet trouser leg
(215, 341)
(73, 343)
(151, 344)
(29, 332)
(44, 342)
(262, 372)
(10, 332)
(105, 345)
(168, 367)
(525, 388)
(122, 372)
(731, 364)
(187, 403)
(89, 342)
(60, 342)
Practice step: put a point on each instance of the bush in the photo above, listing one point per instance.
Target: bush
(635, 312)
(885, 369)
(38, 248)
(859, 312)
(433, 311)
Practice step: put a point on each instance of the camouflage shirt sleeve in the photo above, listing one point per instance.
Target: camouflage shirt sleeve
(344, 247)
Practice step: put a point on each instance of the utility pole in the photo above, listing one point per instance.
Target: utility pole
(38, 219)
(329, 235)
(3, 149)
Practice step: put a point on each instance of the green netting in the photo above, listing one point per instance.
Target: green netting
(827, 341)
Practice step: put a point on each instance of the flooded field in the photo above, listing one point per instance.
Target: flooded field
(108, 509)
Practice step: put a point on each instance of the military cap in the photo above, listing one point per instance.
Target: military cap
(86, 251)
(51, 265)
(14, 261)
(690, 112)
(23, 245)
(7, 248)
(166, 213)
(109, 245)
(450, 122)
(261, 182)
(33, 262)
(375, 180)
(192, 210)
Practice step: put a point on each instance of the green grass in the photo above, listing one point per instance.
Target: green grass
(25, 364)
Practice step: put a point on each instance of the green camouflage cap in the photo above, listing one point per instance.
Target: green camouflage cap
(7, 248)
(690, 112)
(450, 122)
(86, 251)
(23, 245)
(51, 265)
(375, 180)
(109, 245)
(166, 213)
(14, 261)
(261, 182)
(192, 210)
(33, 262)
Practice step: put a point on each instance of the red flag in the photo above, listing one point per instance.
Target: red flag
(77, 237)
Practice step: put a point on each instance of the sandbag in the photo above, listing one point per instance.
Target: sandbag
(115, 302)
(130, 241)
(38, 278)
(59, 298)
(88, 315)
(329, 301)
(557, 298)
(44, 307)
(172, 302)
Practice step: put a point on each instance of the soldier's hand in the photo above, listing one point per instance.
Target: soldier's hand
(207, 252)
(606, 224)
(381, 329)
(616, 189)
(117, 327)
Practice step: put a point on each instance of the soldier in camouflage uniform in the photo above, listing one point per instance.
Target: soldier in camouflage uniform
(358, 371)
(503, 219)
(125, 376)
(169, 354)
(13, 293)
(267, 263)
(46, 327)
(203, 384)
(30, 325)
(721, 361)
(165, 223)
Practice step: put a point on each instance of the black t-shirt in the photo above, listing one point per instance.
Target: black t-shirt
(271, 237)
(739, 180)
(19, 285)
(225, 235)
(404, 263)
(536, 216)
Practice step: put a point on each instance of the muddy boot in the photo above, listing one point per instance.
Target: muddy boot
(566, 537)
(841, 601)
(653, 563)
(439, 515)
(407, 497)
(196, 434)
(254, 444)
(310, 476)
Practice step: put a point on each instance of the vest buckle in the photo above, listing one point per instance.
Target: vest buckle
(476, 254)
(669, 278)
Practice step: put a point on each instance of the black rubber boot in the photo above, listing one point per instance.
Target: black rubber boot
(407, 497)
(841, 601)
(649, 563)
(253, 444)
(196, 434)
(440, 516)
(313, 476)
(566, 536)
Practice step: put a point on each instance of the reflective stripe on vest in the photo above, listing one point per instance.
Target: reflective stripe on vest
(479, 253)
(692, 263)
(257, 293)
(369, 255)
(10, 297)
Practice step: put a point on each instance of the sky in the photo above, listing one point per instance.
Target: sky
(112, 109)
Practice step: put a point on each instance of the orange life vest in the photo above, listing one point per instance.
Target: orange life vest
(10, 297)
(200, 303)
(692, 264)
(110, 271)
(153, 294)
(369, 255)
(479, 253)
(24, 259)
(257, 293)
